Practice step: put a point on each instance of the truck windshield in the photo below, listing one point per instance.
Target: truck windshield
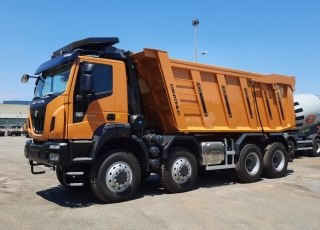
(52, 82)
(312, 130)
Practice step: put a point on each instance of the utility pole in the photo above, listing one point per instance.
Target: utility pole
(195, 23)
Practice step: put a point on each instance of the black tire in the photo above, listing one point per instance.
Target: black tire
(179, 171)
(249, 166)
(115, 176)
(75, 179)
(144, 176)
(315, 152)
(275, 160)
(292, 150)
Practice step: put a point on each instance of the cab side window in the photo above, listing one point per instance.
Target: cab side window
(102, 78)
(102, 87)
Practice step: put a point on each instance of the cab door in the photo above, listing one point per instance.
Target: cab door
(107, 103)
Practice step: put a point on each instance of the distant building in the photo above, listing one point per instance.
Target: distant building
(13, 112)
(16, 102)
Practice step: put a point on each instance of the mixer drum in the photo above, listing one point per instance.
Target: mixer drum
(307, 110)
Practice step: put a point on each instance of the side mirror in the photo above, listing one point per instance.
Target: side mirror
(86, 81)
(86, 84)
(25, 78)
(87, 68)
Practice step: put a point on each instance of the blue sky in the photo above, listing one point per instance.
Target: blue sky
(274, 36)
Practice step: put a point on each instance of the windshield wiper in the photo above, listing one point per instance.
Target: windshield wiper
(48, 94)
(36, 98)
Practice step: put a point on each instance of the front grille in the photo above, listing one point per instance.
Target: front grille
(38, 123)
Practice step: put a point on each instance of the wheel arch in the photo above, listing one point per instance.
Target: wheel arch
(294, 141)
(186, 142)
(260, 140)
(118, 136)
(316, 137)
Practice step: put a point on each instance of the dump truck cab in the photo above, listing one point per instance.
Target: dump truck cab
(2, 130)
(81, 110)
(61, 99)
(15, 130)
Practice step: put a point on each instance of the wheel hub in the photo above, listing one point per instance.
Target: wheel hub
(181, 170)
(290, 150)
(122, 177)
(318, 148)
(278, 160)
(252, 163)
(184, 171)
(119, 176)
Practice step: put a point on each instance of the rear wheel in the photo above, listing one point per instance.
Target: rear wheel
(249, 166)
(315, 152)
(115, 176)
(292, 150)
(275, 161)
(179, 171)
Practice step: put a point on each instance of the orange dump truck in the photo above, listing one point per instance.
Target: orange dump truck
(108, 118)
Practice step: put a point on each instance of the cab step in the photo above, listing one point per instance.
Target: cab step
(82, 159)
(75, 184)
(74, 173)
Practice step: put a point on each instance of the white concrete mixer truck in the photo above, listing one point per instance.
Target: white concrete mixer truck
(306, 135)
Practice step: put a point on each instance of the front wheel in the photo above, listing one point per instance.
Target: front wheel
(179, 171)
(275, 161)
(115, 176)
(315, 152)
(249, 166)
(292, 150)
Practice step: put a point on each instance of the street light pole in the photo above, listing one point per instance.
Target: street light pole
(203, 53)
(195, 23)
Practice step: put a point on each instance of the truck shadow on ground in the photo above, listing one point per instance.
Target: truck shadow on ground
(302, 154)
(151, 187)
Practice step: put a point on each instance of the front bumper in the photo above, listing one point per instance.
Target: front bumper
(41, 153)
(15, 132)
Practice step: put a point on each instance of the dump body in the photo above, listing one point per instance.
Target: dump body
(182, 96)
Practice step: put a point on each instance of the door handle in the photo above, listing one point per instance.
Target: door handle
(111, 117)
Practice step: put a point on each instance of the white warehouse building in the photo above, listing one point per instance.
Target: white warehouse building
(13, 113)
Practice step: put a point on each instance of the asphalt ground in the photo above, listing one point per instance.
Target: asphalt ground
(216, 202)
